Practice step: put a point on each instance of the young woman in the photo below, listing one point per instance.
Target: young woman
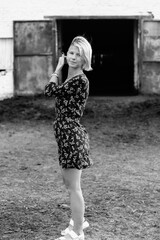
(72, 138)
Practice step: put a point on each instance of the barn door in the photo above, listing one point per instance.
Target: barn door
(34, 55)
(150, 82)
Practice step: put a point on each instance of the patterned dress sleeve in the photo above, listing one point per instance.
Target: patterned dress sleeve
(51, 89)
(82, 88)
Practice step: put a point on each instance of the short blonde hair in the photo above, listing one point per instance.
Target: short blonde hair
(85, 51)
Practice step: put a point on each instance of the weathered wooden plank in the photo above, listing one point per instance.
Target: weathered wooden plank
(34, 52)
(150, 82)
(151, 78)
(32, 73)
(33, 37)
(151, 47)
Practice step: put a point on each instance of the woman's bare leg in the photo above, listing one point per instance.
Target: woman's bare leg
(72, 181)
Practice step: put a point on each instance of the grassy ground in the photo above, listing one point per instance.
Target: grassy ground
(121, 189)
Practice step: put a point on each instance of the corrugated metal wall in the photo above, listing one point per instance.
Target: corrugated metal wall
(6, 68)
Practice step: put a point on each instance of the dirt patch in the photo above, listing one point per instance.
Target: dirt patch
(121, 189)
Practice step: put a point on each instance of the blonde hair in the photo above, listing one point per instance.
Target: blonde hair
(85, 51)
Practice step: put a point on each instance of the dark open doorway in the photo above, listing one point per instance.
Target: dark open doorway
(112, 41)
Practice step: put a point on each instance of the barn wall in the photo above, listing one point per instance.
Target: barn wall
(36, 10)
(150, 80)
(33, 55)
(6, 68)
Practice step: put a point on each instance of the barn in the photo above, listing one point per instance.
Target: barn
(126, 52)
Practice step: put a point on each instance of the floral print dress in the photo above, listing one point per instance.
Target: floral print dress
(72, 138)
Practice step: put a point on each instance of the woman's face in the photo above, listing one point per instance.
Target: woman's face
(74, 58)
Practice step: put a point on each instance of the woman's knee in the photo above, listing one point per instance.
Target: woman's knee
(71, 186)
(71, 180)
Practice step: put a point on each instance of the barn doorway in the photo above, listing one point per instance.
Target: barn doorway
(113, 52)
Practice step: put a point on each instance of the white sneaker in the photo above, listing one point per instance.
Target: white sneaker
(71, 224)
(71, 235)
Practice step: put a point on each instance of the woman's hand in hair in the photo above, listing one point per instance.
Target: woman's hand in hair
(60, 64)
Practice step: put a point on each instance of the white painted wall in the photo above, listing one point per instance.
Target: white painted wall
(11, 10)
(34, 9)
